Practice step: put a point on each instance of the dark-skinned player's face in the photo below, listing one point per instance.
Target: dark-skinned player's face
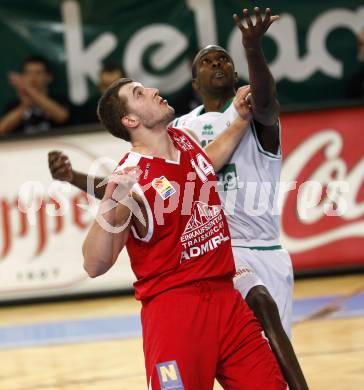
(214, 72)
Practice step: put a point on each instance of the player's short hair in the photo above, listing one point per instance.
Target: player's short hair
(37, 59)
(111, 108)
(204, 51)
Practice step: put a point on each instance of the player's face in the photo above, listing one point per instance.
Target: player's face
(36, 75)
(215, 71)
(146, 105)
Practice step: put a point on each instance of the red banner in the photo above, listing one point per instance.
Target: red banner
(323, 217)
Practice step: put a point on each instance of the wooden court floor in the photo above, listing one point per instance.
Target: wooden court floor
(331, 351)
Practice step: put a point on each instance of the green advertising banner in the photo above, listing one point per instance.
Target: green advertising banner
(312, 50)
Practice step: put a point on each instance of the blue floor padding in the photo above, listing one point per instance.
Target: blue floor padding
(128, 326)
(73, 331)
(352, 307)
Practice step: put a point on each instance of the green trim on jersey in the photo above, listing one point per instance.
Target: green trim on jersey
(226, 105)
(222, 109)
(261, 248)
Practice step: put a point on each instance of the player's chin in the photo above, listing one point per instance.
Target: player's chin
(222, 83)
(170, 115)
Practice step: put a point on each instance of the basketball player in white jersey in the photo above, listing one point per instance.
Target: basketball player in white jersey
(247, 183)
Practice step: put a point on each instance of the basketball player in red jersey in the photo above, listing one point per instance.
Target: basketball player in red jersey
(196, 326)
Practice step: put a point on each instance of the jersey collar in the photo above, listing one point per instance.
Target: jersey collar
(223, 108)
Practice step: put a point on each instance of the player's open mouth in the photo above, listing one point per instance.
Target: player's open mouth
(219, 74)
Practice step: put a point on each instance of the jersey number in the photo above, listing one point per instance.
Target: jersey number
(202, 167)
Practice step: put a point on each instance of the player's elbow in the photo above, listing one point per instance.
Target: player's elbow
(91, 264)
(94, 269)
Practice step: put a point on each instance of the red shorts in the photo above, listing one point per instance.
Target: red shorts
(202, 331)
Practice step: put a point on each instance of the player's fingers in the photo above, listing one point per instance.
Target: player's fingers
(60, 168)
(243, 87)
(125, 178)
(54, 154)
(268, 19)
(257, 15)
(243, 92)
(60, 162)
(266, 15)
(133, 172)
(249, 99)
(238, 22)
(272, 20)
(60, 174)
(247, 18)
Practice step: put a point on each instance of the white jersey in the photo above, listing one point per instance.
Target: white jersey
(247, 187)
(248, 184)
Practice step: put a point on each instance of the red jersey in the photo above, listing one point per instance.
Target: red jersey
(187, 234)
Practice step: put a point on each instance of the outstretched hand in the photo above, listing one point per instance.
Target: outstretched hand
(252, 34)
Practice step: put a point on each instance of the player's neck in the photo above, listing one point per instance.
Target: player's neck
(215, 103)
(156, 144)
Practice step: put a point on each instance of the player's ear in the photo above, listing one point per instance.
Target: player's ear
(129, 121)
(195, 84)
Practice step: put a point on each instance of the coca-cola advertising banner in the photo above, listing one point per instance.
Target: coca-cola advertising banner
(43, 222)
(323, 171)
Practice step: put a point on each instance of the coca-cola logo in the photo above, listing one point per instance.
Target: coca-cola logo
(328, 205)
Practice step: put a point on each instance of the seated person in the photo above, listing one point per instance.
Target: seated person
(35, 110)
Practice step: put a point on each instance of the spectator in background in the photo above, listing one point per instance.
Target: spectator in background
(108, 74)
(35, 110)
(355, 88)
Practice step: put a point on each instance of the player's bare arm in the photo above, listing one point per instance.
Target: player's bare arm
(61, 169)
(221, 149)
(110, 230)
(264, 101)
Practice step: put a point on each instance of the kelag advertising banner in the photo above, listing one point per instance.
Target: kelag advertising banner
(312, 50)
(43, 222)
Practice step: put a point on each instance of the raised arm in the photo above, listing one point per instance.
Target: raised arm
(61, 169)
(264, 101)
(221, 149)
(110, 230)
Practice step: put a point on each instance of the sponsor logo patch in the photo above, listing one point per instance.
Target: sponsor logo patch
(207, 129)
(169, 376)
(163, 187)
